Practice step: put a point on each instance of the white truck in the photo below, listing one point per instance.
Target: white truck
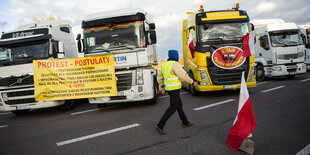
(279, 50)
(305, 29)
(129, 35)
(18, 48)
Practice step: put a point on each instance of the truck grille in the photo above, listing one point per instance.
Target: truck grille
(221, 76)
(19, 96)
(16, 81)
(124, 81)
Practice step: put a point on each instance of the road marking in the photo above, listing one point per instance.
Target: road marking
(96, 134)
(86, 111)
(3, 126)
(304, 151)
(268, 90)
(214, 104)
(261, 83)
(168, 95)
(304, 80)
(5, 113)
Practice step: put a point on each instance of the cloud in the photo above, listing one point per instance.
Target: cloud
(3, 24)
(265, 7)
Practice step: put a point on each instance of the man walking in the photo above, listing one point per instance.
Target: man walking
(170, 80)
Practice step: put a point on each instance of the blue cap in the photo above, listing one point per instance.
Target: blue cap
(173, 55)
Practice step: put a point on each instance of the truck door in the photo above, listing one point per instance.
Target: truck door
(264, 49)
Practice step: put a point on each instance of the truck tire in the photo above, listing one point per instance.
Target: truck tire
(191, 88)
(69, 105)
(99, 106)
(21, 112)
(260, 73)
(290, 76)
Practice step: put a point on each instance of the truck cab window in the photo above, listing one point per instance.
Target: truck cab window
(263, 40)
(55, 48)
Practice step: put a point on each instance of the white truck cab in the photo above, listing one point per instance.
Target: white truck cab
(18, 48)
(305, 29)
(129, 35)
(279, 50)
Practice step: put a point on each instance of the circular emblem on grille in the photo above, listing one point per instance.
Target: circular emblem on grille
(228, 57)
(19, 80)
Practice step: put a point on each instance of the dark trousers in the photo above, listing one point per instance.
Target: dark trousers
(175, 105)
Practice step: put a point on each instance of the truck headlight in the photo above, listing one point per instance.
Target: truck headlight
(276, 68)
(139, 77)
(203, 74)
(5, 96)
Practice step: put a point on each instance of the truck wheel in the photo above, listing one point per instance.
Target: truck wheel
(99, 106)
(290, 76)
(69, 104)
(260, 73)
(192, 89)
(21, 112)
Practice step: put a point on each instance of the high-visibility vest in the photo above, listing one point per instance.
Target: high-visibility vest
(171, 82)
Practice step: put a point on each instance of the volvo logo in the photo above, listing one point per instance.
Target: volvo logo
(19, 80)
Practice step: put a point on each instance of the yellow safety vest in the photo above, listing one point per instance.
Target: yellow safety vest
(171, 82)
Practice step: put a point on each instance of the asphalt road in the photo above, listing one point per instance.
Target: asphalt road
(281, 107)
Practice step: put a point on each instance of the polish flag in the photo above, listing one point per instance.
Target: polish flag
(248, 44)
(244, 123)
(190, 44)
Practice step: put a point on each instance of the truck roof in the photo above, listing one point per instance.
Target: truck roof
(282, 26)
(113, 13)
(45, 24)
(264, 22)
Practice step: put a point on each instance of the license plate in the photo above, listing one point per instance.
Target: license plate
(230, 86)
(292, 67)
(21, 107)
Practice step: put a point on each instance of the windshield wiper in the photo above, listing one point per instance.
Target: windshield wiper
(123, 46)
(216, 39)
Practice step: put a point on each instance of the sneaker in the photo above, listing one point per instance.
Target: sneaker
(161, 131)
(188, 125)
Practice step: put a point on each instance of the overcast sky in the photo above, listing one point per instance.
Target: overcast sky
(168, 14)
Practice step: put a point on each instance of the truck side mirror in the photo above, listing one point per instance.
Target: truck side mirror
(61, 53)
(152, 26)
(252, 27)
(303, 37)
(79, 43)
(153, 36)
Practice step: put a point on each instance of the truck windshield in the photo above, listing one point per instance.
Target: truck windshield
(223, 31)
(283, 39)
(113, 37)
(23, 53)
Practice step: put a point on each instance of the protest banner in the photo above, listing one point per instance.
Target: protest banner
(62, 79)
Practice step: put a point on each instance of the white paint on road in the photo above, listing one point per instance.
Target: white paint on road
(271, 89)
(304, 151)
(3, 126)
(96, 134)
(6, 113)
(260, 83)
(168, 95)
(304, 80)
(214, 104)
(91, 110)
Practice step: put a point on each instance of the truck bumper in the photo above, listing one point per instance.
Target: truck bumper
(133, 92)
(21, 99)
(35, 105)
(283, 70)
(204, 88)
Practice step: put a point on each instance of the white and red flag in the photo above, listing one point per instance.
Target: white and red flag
(248, 44)
(244, 123)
